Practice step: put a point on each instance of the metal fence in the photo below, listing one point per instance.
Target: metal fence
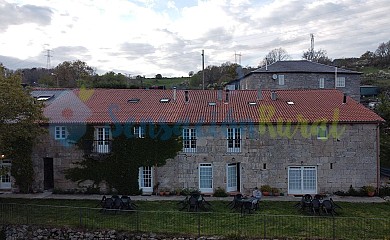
(230, 225)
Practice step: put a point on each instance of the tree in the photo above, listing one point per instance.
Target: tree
(277, 54)
(159, 76)
(383, 109)
(382, 53)
(191, 73)
(20, 117)
(72, 74)
(319, 56)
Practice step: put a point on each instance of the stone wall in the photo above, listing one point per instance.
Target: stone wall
(349, 159)
(303, 81)
(35, 232)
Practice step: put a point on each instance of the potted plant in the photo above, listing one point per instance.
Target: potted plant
(266, 190)
(167, 192)
(370, 190)
(275, 191)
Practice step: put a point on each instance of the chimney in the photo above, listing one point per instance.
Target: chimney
(174, 93)
(227, 95)
(259, 94)
(266, 64)
(344, 99)
(219, 95)
(274, 96)
(186, 96)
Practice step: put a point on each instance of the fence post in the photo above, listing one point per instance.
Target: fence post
(137, 221)
(198, 224)
(265, 228)
(80, 218)
(334, 227)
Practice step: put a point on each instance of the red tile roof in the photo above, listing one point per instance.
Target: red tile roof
(101, 106)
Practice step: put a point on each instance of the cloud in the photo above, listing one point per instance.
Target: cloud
(12, 14)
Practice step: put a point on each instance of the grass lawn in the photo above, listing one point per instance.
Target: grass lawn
(274, 219)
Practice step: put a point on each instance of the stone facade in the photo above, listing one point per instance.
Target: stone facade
(302, 81)
(264, 158)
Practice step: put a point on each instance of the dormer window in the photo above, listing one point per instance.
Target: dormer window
(165, 100)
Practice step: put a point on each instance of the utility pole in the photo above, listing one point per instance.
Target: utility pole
(239, 57)
(48, 59)
(311, 46)
(203, 69)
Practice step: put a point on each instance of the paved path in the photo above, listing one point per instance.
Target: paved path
(49, 195)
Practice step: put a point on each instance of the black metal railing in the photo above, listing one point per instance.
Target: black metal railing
(233, 225)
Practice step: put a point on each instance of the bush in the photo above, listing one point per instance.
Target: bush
(384, 191)
(220, 192)
(266, 188)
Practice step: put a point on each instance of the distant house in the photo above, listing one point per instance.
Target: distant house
(300, 74)
(300, 141)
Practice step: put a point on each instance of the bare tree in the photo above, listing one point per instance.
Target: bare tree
(277, 54)
(319, 56)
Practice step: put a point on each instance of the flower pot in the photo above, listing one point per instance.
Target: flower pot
(371, 194)
(162, 193)
(265, 193)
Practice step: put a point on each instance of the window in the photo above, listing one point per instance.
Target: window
(281, 79)
(340, 82)
(302, 180)
(234, 139)
(322, 83)
(189, 140)
(102, 143)
(322, 132)
(60, 133)
(139, 131)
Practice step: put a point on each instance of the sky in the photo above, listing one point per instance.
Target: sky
(149, 37)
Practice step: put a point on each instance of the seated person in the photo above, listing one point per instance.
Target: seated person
(256, 194)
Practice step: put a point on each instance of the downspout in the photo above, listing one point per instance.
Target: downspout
(377, 158)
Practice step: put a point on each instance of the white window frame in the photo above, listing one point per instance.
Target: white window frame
(5, 180)
(233, 139)
(320, 130)
(60, 132)
(206, 181)
(231, 177)
(146, 179)
(139, 131)
(281, 79)
(189, 140)
(321, 83)
(340, 82)
(306, 183)
(102, 140)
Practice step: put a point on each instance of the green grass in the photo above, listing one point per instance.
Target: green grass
(274, 219)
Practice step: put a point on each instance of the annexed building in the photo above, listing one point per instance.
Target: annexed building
(300, 74)
(300, 141)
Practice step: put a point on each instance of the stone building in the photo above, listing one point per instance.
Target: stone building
(300, 141)
(301, 74)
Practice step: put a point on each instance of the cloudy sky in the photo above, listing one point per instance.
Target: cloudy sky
(148, 37)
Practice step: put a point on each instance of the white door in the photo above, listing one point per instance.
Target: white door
(302, 180)
(206, 178)
(231, 177)
(145, 178)
(5, 178)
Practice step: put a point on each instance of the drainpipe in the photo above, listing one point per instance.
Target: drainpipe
(377, 159)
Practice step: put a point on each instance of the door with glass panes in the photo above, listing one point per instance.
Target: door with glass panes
(302, 180)
(206, 177)
(145, 178)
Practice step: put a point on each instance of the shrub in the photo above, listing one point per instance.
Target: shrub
(384, 191)
(220, 192)
(266, 188)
